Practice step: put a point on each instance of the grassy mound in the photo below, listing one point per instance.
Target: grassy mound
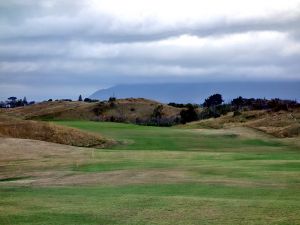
(122, 110)
(53, 110)
(279, 124)
(44, 131)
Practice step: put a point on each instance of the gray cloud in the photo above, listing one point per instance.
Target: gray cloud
(65, 44)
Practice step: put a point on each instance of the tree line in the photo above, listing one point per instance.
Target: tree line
(214, 107)
(13, 102)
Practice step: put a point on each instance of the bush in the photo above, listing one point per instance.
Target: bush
(90, 100)
(112, 99)
(189, 114)
(236, 113)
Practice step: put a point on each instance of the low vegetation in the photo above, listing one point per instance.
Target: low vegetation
(279, 124)
(138, 111)
(146, 112)
(17, 128)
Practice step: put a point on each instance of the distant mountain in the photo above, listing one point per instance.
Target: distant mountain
(197, 92)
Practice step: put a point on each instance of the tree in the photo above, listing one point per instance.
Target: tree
(112, 99)
(25, 101)
(211, 104)
(13, 99)
(213, 100)
(158, 113)
(90, 100)
(80, 98)
(19, 103)
(189, 114)
(238, 102)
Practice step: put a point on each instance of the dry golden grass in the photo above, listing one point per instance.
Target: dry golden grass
(127, 110)
(279, 124)
(54, 110)
(133, 109)
(44, 131)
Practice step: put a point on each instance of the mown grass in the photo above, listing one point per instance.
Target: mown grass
(157, 138)
(229, 180)
(121, 165)
(150, 204)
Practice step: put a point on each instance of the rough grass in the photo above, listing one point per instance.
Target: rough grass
(151, 204)
(127, 110)
(279, 124)
(160, 176)
(17, 128)
(53, 110)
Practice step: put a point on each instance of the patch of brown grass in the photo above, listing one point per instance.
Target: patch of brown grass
(44, 131)
(132, 109)
(126, 110)
(54, 110)
(279, 124)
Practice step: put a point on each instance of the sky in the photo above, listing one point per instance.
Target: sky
(63, 48)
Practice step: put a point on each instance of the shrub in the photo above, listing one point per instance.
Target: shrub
(189, 114)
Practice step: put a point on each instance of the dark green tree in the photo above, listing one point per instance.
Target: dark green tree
(212, 103)
(189, 114)
(213, 100)
(12, 101)
(158, 113)
(25, 101)
(238, 102)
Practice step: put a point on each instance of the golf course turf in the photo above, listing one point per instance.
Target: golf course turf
(159, 175)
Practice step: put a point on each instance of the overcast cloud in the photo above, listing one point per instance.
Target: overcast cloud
(61, 48)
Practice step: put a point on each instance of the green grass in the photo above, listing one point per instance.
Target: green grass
(150, 204)
(120, 165)
(163, 138)
(229, 180)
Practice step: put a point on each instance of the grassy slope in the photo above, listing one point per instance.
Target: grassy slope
(156, 138)
(122, 109)
(37, 130)
(279, 124)
(226, 179)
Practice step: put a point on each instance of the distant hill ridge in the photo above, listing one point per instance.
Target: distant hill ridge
(133, 110)
(138, 111)
(197, 92)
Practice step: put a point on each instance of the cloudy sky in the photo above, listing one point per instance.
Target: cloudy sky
(60, 48)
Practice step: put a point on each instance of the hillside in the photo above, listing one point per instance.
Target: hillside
(140, 111)
(279, 124)
(121, 110)
(37, 130)
(53, 110)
